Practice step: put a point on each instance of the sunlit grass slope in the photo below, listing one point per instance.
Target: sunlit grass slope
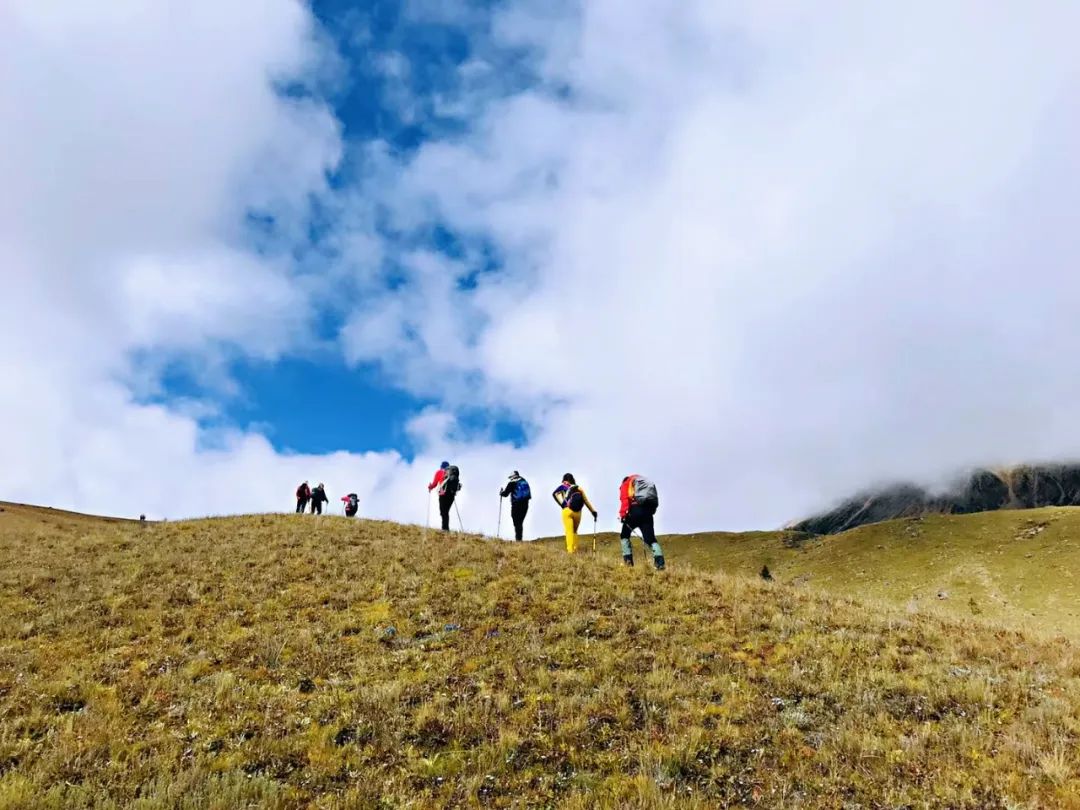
(302, 662)
(1019, 567)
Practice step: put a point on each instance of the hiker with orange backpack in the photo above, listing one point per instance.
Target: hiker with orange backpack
(638, 503)
(572, 499)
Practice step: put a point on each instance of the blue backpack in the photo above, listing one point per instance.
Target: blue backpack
(522, 491)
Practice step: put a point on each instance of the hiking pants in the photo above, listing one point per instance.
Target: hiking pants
(301, 505)
(316, 507)
(518, 510)
(570, 521)
(446, 500)
(639, 517)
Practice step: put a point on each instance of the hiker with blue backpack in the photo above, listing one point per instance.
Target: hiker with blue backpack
(573, 500)
(638, 503)
(517, 490)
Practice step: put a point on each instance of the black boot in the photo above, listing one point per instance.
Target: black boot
(659, 563)
(628, 561)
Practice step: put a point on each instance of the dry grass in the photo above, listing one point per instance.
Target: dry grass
(299, 662)
(1012, 568)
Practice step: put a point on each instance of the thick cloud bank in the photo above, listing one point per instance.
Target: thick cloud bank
(766, 256)
(136, 138)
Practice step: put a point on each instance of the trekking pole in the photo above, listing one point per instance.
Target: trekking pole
(498, 526)
(594, 534)
(459, 523)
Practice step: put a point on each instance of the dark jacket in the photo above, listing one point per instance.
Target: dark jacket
(318, 495)
(509, 489)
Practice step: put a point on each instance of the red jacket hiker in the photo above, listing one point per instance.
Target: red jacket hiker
(626, 496)
(440, 476)
(303, 495)
(638, 503)
(447, 483)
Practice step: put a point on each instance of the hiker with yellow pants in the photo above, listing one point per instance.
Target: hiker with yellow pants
(572, 499)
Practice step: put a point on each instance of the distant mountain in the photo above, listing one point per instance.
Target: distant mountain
(985, 490)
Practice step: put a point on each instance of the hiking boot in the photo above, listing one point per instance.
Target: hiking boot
(659, 563)
(628, 561)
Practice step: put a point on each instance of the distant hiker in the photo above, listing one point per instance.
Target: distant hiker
(318, 498)
(303, 495)
(572, 499)
(352, 504)
(448, 481)
(517, 489)
(638, 503)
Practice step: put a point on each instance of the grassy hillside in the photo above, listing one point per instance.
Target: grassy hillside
(294, 661)
(1021, 568)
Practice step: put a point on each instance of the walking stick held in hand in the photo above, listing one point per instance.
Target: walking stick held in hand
(459, 523)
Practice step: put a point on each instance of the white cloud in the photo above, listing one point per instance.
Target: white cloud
(141, 137)
(769, 257)
(763, 255)
(136, 139)
(223, 296)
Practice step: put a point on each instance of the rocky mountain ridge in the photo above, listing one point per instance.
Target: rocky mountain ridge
(983, 490)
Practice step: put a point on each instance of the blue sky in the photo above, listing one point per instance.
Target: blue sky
(314, 402)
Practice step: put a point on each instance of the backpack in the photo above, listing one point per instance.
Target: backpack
(575, 501)
(453, 480)
(522, 491)
(645, 493)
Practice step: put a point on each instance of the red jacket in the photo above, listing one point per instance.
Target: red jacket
(440, 476)
(626, 495)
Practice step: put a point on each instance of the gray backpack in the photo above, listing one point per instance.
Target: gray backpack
(452, 483)
(645, 492)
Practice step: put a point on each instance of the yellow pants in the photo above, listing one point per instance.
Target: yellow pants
(570, 521)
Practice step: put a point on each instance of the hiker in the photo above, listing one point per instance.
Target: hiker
(448, 481)
(303, 495)
(318, 498)
(517, 489)
(352, 504)
(638, 503)
(572, 499)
